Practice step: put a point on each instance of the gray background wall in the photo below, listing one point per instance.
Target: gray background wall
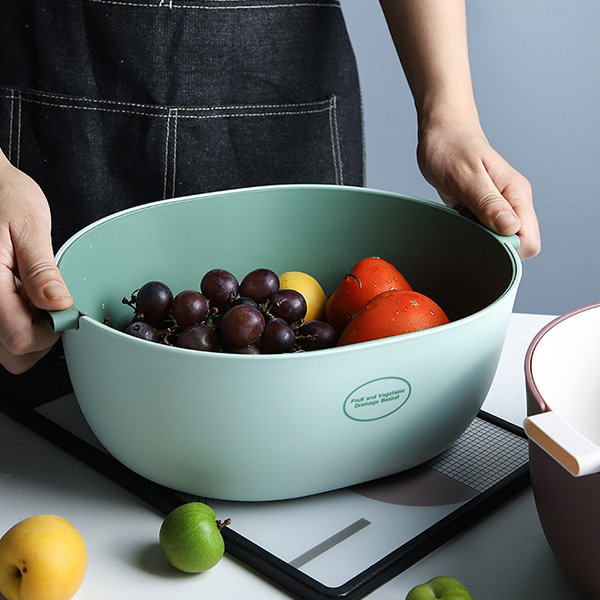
(536, 74)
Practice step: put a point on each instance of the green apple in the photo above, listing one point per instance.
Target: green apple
(190, 537)
(440, 588)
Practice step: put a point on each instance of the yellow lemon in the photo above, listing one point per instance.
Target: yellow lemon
(310, 288)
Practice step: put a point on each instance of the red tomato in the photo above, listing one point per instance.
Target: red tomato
(392, 313)
(369, 277)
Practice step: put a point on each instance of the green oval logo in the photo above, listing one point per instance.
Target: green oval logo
(377, 399)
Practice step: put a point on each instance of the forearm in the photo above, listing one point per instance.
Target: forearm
(431, 40)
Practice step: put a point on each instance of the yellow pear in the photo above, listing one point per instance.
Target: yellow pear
(42, 558)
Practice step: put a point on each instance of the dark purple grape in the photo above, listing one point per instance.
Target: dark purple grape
(189, 308)
(277, 337)
(220, 287)
(244, 300)
(242, 325)
(259, 284)
(316, 335)
(198, 337)
(288, 305)
(143, 331)
(153, 300)
(249, 349)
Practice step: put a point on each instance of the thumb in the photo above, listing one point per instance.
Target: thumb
(39, 274)
(493, 210)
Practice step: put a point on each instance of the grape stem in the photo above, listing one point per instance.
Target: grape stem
(307, 336)
(264, 307)
(131, 301)
(296, 325)
(165, 333)
(212, 317)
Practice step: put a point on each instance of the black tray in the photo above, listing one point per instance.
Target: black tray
(509, 437)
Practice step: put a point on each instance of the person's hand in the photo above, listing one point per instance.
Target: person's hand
(453, 152)
(457, 160)
(29, 277)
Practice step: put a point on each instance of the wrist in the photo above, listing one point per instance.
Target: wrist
(4, 162)
(449, 111)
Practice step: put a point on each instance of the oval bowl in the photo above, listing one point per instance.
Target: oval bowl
(280, 426)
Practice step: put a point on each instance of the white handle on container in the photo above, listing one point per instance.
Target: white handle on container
(563, 443)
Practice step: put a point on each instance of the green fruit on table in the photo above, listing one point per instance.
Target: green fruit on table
(440, 588)
(190, 537)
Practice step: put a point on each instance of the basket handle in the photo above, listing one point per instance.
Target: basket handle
(61, 320)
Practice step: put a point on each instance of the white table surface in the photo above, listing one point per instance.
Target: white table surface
(503, 556)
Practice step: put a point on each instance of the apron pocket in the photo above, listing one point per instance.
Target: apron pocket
(95, 157)
(245, 145)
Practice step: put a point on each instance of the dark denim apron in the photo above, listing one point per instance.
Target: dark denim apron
(112, 103)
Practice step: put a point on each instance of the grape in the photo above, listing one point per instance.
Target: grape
(316, 335)
(288, 305)
(143, 331)
(189, 307)
(198, 337)
(242, 325)
(259, 284)
(153, 300)
(277, 337)
(244, 300)
(220, 287)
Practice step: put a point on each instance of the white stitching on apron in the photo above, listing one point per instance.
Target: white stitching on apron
(335, 170)
(279, 113)
(333, 146)
(165, 114)
(170, 5)
(232, 1)
(10, 125)
(166, 155)
(172, 113)
(337, 139)
(363, 141)
(159, 106)
(174, 152)
(18, 157)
